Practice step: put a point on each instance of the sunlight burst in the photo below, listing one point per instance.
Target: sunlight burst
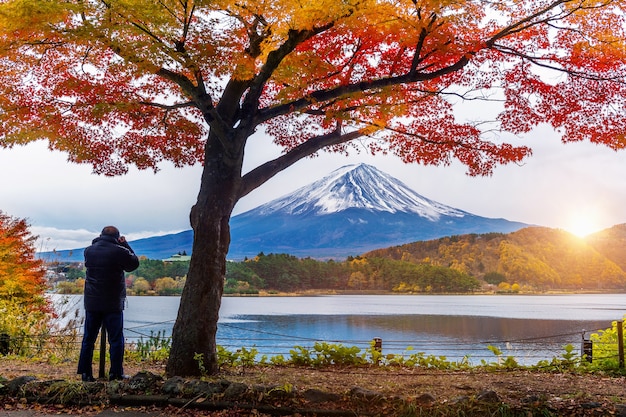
(583, 223)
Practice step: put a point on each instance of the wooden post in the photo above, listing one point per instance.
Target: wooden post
(586, 349)
(620, 343)
(103, 350)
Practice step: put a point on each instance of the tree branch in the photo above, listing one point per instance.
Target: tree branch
(274, 58)
(321, 96)
(262, 173)
(545, 63)
(169, 106)
(420, 44)
(524, 23)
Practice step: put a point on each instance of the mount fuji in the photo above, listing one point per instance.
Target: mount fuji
(354, 209)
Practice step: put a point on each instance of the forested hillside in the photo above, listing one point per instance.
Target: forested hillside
(611, 243)
(280, 272)
(536, 257)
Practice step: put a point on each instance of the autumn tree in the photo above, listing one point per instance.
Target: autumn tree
(141, 286)
(119, 82)
(23, 307)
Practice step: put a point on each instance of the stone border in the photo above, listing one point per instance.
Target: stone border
(148, 389)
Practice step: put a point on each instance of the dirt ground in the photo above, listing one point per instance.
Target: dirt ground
(562, 393)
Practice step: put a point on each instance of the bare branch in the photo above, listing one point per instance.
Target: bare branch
(545, 63)
(168, 106)
(525, 23)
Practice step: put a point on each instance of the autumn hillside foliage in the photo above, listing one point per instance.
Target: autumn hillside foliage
(23, 308)
(611, 243)
(536, 257)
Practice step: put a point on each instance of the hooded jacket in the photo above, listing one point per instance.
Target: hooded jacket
(105, 285)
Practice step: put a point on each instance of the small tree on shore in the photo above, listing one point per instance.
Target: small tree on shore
(24, 310)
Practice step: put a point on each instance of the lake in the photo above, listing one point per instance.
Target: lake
(529, 327)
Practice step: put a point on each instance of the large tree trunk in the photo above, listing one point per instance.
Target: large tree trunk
(193, 349)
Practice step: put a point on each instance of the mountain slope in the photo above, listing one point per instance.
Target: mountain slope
(354, 209)
(356, 187)
(611, 243)
(540, 257)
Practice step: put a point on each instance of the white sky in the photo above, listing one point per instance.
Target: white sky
(579, 187)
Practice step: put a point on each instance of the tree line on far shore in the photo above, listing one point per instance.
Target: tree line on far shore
(153, 277)
(285, 273)
(530, 260)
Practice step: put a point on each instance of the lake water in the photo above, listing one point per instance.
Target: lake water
(530, 328)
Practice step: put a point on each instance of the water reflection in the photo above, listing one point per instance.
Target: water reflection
(453, 326)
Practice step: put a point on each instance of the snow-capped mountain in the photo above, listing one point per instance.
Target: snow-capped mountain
(357, 187)
(355, 209)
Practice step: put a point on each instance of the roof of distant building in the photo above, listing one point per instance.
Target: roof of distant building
(177, 258)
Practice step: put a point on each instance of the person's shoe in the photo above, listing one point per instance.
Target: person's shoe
(115, 377)
(87, 378)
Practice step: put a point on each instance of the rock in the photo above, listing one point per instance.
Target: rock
(591, 404)
(488, 397)
(203, 388)
(265, 389)
(144, 382)
(115, 387)
(173, 386)
(318, 396)
(425, 399)
(16, 384)
(235, 391)
(38, 388)
(365, 394)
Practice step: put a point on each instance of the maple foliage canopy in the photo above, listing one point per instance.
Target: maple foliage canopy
(114, 83)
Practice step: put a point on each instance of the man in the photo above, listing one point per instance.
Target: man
(105, 294)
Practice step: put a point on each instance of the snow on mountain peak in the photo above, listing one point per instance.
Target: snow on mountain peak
(359, 186)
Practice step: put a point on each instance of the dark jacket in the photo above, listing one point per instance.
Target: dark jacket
(105, 285)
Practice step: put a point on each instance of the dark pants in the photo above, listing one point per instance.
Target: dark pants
(113, 323)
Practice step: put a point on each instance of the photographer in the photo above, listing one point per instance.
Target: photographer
(105, 294)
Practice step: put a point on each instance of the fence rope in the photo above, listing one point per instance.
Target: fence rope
(526, 347)
(288, 337)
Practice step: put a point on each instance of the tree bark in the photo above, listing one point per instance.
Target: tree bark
(194, 349)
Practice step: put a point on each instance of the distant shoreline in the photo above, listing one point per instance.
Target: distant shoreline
(326, 293)
(323, 293)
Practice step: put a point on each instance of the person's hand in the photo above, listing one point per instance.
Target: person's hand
(122, 239)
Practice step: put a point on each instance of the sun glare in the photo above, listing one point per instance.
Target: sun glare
(583, 224)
